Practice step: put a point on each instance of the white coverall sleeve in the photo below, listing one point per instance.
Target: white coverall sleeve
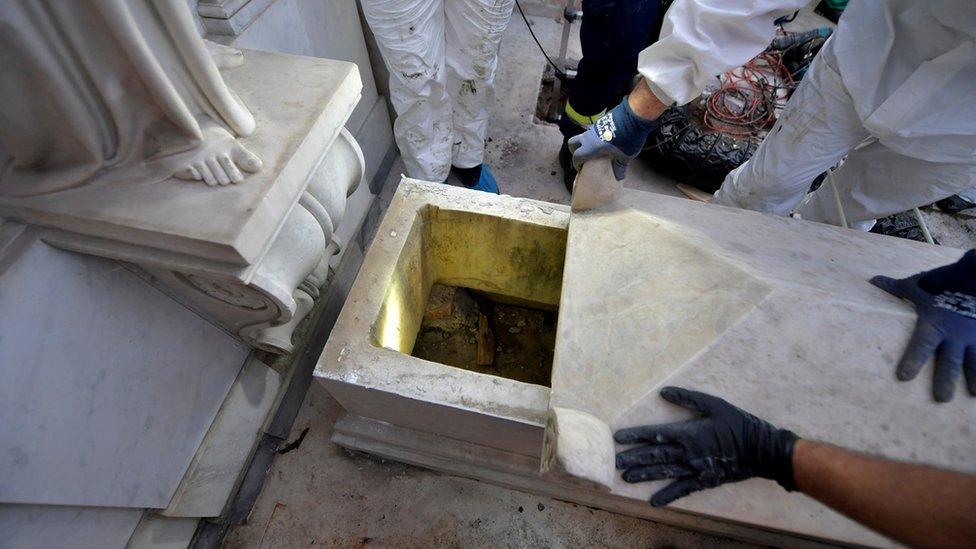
(703, 38)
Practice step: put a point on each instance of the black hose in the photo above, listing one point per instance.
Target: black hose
(559, 72)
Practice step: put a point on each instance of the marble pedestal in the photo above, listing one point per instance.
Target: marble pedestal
(131, 392)
(773, 314)
(251, 257)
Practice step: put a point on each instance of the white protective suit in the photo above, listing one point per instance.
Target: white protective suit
(902, 71)
(442, 56)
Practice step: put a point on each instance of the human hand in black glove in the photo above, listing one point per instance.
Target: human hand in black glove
(726, 444)
(945, 302)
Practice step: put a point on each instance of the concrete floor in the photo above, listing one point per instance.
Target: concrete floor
(320, 494)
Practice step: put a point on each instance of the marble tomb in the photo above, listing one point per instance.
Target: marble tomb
(773, 314)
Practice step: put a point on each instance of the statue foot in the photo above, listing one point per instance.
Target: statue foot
(219, 160)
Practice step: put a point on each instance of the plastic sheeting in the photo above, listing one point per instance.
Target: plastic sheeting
(690, 147)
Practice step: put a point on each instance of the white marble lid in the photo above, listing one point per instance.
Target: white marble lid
(773, 314)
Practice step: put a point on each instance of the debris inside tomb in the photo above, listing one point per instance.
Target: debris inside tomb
(476, 331)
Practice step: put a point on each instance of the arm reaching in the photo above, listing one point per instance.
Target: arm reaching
(644, 103)
(913, 504)
(700, 39)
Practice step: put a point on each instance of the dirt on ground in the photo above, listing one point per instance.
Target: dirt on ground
(472, 330)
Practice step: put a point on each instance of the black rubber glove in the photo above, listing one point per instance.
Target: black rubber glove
(945, 302)
(725, 445)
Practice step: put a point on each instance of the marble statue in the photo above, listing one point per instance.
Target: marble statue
(111, 111)
(114, 92)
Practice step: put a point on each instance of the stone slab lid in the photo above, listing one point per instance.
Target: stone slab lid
(299, 104)
(773, 314)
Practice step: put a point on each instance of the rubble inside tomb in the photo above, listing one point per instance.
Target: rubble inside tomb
(476, 331)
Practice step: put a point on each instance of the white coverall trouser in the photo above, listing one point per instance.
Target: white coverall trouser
(442, 56)
(902, 71)
(818, 128)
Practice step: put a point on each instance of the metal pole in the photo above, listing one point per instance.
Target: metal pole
(923, 226)
(561, 62)
(840, 208)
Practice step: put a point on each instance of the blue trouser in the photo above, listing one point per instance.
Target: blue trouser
(612, 34)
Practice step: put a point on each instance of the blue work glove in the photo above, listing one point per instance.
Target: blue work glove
(945, 301)
(620, 134)
(726, 444)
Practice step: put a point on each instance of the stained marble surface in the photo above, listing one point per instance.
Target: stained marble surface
(214, 473)
(31, 526)
(773, 314)
(108, 386)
